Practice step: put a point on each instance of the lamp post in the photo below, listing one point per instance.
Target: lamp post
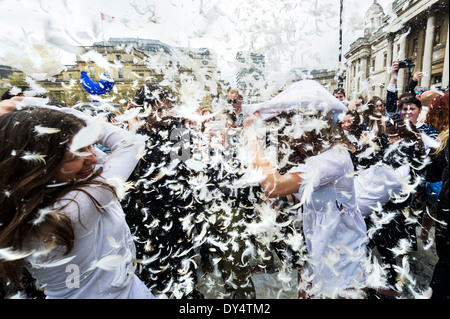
(340, 75)
(410, 71)
(408, 65)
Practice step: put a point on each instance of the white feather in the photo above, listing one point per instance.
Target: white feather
(87, 136)
(30, 156)
(429, 141)
(113, 242)
(42, 214)
(41, 130)
(121, 187)
(146, 260)
(10, 254)
(194, 165)
(108, 263)
(403, 247)
(54, 263)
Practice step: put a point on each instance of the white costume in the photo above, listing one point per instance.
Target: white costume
(376, 185)
(103, 259)
(333, 200)
(307, 95)
(334, 229)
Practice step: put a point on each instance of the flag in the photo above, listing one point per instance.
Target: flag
(106, 17)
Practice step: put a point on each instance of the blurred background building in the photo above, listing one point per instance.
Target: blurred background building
(415, 30)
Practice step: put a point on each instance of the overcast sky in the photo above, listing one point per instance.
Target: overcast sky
(291, 33)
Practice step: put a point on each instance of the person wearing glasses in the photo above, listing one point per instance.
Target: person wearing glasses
(236, 116)
(414, 82)
(419, 91)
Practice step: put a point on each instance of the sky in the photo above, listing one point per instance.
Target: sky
(45, 34)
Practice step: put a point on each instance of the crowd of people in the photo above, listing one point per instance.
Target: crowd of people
(132, 205)
(400, 130)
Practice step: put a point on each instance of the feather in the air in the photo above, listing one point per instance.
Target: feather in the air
(108, 263)
(376, 273)
(404, 275)
(120, 186)
(403, 247)
(33, 157)
(41, 130)
(88, 135)
(10, 254)
(42, 214)
(53, 263)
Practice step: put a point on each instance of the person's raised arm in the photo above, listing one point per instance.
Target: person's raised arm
(9, 105)
(391, 94)
(126, 147)
(414, 81)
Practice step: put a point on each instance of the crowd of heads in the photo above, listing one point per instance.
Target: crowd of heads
(44, 159)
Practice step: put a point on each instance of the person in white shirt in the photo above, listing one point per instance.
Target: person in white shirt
(320, 174)
(61, 218)
(334, 229)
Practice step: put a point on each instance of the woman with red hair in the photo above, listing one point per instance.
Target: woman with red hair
(438, 116)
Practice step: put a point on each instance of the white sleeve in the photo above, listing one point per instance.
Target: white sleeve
(375, 186)
(321, 170)
(126, 150)
(126, 147)
(392, 87)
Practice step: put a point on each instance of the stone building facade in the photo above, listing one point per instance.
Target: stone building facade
(412, 29)
(132, 62)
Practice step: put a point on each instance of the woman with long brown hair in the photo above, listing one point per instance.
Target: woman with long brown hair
(60, 217)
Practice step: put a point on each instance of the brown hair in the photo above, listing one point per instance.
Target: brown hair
(437, 115)
(371, 118)
(339, 91)
(405, 130)
(24, 181)
(357, 127)
(312, 142)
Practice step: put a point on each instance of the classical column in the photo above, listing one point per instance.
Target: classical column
(428, 51)
(348, 76)
(389, 55)
(445, 72)
(364, 64)
(401, 54)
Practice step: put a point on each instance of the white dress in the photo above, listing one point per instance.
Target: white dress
(334, 229)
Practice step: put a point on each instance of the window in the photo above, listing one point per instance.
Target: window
(384, 59)
(120, 72)
(437, 36)
(437, 79)
(415, 46)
